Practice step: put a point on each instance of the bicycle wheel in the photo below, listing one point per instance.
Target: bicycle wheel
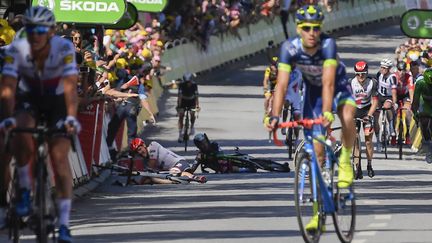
(305, 206)
(14, 221)
(356, 154)
(383, 132)
(186, 130)
(40, 203)
(270, 165)
(400, 135)
(344, 217)
(299, 152)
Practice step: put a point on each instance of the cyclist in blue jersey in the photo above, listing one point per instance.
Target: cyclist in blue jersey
(326, 87)
(45, 66)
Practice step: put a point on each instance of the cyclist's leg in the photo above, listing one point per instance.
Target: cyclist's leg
(426, 129)
(22, 148)
(5, 178)
(408, 117)
(368, 131)
(346, 107)
(391, 114)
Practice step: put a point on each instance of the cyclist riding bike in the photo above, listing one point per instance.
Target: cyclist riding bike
(314, 54)
(46, 66)
(387, 98)
(187, 98)
(294, 98)
(405, 93)
(365, 93)
(269, 84)
(422, 110)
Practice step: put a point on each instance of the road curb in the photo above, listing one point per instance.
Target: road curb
(83, 190)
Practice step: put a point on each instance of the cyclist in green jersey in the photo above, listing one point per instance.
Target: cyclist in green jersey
(422, 110)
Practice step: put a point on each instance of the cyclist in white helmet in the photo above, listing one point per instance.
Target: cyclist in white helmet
(46, 66)
(387, 96)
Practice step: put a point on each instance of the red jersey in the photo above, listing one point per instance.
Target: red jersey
(404, 83)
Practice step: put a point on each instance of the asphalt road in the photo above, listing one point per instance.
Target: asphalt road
(394, 206)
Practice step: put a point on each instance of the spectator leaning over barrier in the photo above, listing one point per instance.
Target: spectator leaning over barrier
(158, 158)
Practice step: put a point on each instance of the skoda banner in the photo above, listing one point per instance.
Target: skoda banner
(149, 5)
(85, 11)
(129, 18)
(417, 23)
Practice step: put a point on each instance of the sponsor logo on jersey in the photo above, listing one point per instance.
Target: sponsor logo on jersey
(9, 59)
(89, 6)
(68, 59)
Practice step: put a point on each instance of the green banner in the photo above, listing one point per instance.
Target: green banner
(85, 11)
(417, 23)
(130, 17)
(149, 5)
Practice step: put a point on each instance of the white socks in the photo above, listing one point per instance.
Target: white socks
(64, 208)
(24, 177)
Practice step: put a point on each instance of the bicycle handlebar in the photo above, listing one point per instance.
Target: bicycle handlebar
(306, 123)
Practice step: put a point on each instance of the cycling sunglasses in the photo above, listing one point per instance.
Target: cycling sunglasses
(309, 27)
(360, 73)
(37, 29)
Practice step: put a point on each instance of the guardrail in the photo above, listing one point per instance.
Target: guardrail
(184, 56)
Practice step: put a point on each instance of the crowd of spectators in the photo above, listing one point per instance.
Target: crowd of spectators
(415, 50)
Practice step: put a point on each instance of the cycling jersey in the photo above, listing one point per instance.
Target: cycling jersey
(423, 93)
(404, 84)
(364, 92)
(165, 158)
(386, 84)
(272, 77)
(59, 64)
(188, 92)
(294, 88)
(311, 67)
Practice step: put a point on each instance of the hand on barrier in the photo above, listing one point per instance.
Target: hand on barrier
(7, 124)
(72, 125)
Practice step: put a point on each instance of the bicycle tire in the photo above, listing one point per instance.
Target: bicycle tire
(383, 132)
(341, 198)
(299, 150)
(14, 221)
(356, 154)
(186, 130)
(270, 165)
(400, 145)
(304, 203)
(41, 182)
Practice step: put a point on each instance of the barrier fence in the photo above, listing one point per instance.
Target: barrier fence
(184, 56)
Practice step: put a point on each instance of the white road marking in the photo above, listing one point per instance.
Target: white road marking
(367, 233)
(358, 241)
(377, 225)
(383, 217)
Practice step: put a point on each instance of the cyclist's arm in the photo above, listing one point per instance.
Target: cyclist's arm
(70, 94)
(280, 90)
(394, 89)
(7, 96)
(179, 97)
(374, 101)
(411, 87)
(328, 80)
(196, 96)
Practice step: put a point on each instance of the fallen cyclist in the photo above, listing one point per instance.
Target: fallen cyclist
(211, 156)
(158, 158)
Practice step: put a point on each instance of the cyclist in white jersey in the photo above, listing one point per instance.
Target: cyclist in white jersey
(162, 159)
(387, 96)
(294, 98)
(365, 93)
(46, 67)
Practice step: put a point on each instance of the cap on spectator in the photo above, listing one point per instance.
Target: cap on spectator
(109, 32)
(143, 33)
(146, 53)
(7, 34)
(121, 63)
(159, 43)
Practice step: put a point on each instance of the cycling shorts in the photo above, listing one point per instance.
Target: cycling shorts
(404, 98)
(361, 113)
(312, 107)
(51, 108)
(188, 104)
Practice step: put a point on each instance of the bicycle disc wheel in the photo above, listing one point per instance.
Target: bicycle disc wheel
(344, 217)
(305, 206)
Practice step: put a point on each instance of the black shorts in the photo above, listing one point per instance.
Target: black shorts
(188, 104)
(361, 113)
(382, 99)
(50, 108)
(404, 98)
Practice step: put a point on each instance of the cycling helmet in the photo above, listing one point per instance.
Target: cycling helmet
(136, 142)
(39, 15)
(427, 75)
(401, 66)
(361, 67)
(309, 13)
(187, 77)
(201, 141)
(386, 63)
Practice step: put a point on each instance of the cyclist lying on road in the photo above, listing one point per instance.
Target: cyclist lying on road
(159, 158)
